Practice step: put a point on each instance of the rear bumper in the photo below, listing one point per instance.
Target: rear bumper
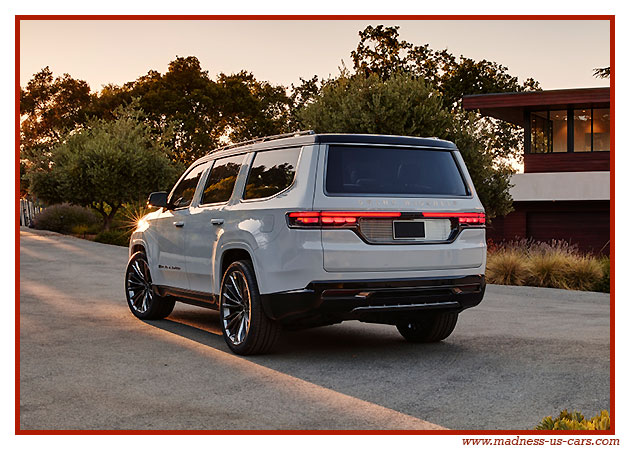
(380, 301)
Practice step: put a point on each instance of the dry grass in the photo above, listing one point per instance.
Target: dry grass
(548, 270)
(585, 273)
(507, 266)
(556, 265)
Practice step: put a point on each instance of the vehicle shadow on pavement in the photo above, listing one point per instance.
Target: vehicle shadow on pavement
(348, 340)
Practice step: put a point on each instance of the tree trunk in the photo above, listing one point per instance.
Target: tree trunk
(107, 218)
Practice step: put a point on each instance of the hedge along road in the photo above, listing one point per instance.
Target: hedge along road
(87, 363)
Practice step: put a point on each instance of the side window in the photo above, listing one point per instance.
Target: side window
(221, 180)
(272, 172)
(184, 191)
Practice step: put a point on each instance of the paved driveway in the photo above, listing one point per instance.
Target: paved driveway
(87, 363)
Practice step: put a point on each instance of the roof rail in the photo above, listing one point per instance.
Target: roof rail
(264, 139)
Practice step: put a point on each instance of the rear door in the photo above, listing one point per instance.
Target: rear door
(207, 221)
(397, 209)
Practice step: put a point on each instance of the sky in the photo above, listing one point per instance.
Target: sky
(559, 54)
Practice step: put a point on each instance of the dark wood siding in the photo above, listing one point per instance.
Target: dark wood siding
(589, 230)
(585, 223)
(566, 162)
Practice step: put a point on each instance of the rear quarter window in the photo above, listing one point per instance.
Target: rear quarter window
(383, 171)
(272, 172)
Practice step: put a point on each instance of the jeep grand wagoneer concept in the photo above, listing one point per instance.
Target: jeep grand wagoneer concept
(307, 230)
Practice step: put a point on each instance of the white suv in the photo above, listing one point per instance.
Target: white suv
(313, 229)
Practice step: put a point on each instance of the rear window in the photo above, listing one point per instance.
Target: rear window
(386, 171)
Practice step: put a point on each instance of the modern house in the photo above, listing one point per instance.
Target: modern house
(564, 191)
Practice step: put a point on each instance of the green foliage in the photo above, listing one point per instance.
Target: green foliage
(197, 113)
(603, 285)
(556, 265)
(406, 105)
(50, 107)
(381, 52)
(108, 163)
(575, 421)
(64, 218)
(114, 237)
(81, 229)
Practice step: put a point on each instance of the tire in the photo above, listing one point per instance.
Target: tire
(142, 301)
(246, 328)
(432, 328)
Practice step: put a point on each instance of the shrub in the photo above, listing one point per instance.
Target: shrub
(114, 237)
(63, 218)
(548, 270)
(507, 266)
(81, 229)
(584, 273)
(557, 264)
(603, 285)
(575, 421)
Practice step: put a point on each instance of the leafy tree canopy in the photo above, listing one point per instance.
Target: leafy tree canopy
(406, 105)
(106, 164)
(196, 112)
(381, 52)
(49, 108)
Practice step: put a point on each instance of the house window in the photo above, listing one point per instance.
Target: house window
(592, 130)
(581, 130)
(601, 130)
(549, 131)
(582, 123)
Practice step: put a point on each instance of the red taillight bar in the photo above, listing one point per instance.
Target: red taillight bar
(337, 218)
(361, 213)
(463, 218)
(334, 218)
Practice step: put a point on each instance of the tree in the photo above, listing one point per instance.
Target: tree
(252, 108)
(405, 105)
(601, 72)
(381, 52)
(50, 107)
(106, 164)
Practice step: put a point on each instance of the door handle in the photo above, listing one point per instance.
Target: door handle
(178, 224)
(217, 221)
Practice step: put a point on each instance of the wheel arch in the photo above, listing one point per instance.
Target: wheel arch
(235, 252)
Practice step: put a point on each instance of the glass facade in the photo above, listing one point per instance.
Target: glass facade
(582, 122)
(601, 130)
(573, 130)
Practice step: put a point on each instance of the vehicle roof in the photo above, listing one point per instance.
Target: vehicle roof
(328, 138)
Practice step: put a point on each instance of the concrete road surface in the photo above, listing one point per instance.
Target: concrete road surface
(87, 363)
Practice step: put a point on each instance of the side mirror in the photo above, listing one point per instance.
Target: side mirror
(158, 199)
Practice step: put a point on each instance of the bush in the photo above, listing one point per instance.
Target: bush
(584, 273)
(63, 218)
(114, 237)
(548, 270)
(507, 266)
(575, 421)
(556, 265)
(603, 285)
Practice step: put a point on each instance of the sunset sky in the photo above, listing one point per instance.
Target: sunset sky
(559, 54)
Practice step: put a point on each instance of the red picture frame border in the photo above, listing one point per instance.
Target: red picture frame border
(20, 18)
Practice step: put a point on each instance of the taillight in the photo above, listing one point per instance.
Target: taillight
(349, 219)
(332, 219)
(471, 219)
